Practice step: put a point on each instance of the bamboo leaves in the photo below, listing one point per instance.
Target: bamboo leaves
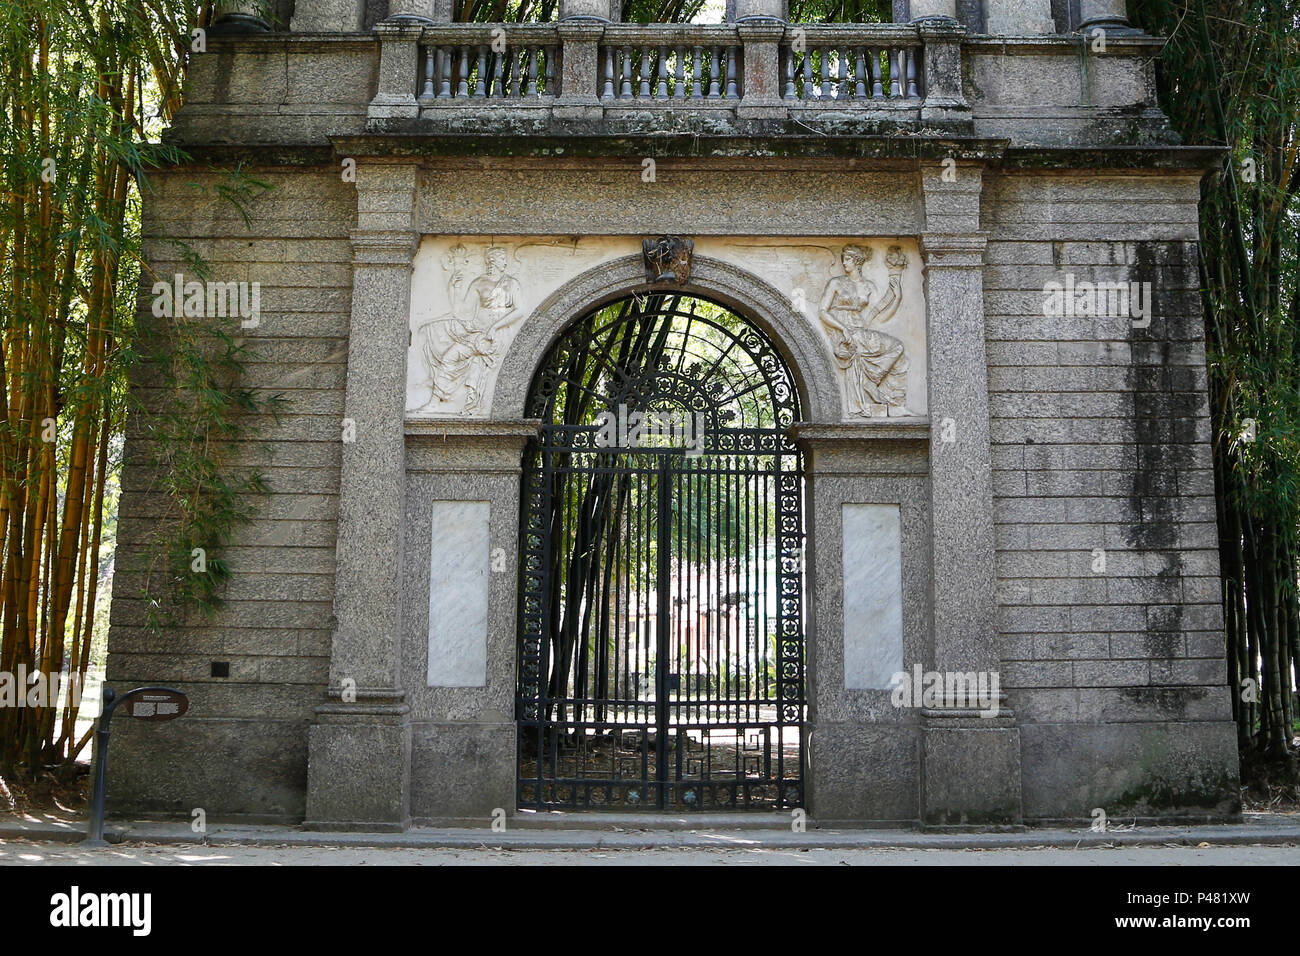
(76, 77)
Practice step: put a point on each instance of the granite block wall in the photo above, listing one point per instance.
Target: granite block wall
(1110, 623)
(241, 751)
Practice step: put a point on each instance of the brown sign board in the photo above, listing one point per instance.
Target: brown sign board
(156, 705)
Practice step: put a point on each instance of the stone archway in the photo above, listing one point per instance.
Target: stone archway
(803, 349)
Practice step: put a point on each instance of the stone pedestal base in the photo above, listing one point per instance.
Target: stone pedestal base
(758, 109)
(971, 770)
(578, 108)
(359, 767)
(863, 772)
(445, 790)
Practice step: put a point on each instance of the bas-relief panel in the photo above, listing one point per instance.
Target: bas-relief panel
(470, 295)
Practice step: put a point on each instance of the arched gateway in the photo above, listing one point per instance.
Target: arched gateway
(661, 636)
(846, 230)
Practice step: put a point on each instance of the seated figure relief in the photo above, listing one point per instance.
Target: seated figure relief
(459, 348)
(852, 309)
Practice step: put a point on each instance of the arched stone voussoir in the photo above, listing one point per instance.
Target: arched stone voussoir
(800, 345)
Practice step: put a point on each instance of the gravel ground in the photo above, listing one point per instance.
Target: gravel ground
(18, 852)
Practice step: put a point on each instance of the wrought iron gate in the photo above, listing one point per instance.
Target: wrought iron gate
(661, 644)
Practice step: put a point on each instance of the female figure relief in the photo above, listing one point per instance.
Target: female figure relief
(466, 349)
(874, 363)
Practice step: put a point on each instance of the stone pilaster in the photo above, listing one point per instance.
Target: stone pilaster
(982, 752)
(1019, 17)
(359, 747)
(762, 81)
(579, 69)
(328, 16)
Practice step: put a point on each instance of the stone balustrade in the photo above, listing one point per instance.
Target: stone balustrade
(664, 64)
(474, 61)
(759, 69)
(860, 64)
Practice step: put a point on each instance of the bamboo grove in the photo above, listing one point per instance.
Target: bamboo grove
(1230, 76)
(86, 84)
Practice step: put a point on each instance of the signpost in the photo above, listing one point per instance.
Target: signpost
(143, 703)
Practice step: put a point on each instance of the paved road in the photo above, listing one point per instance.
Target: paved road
(19, 852)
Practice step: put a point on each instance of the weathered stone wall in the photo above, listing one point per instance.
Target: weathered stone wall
(1100, 434)
(1099, 438)
(242, 748)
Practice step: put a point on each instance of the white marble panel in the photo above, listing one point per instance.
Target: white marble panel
(873, 595)
(458, 594)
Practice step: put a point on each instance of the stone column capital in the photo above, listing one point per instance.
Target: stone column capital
(759, 30)
(581, 29)
(954, 250)
(376, 247)
(941, 28)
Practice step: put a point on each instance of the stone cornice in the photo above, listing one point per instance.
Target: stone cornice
(769, 145)
(875, 429)
(1053, 160)
(1056, 158)
(511, 430)
(1116, 44)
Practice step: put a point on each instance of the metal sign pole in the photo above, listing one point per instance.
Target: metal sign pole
(95, 827)
(146, 703)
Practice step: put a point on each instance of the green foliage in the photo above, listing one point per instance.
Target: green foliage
(87, 87)
(200, 412)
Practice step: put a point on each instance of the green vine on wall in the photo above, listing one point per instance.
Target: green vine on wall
(192, 418)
